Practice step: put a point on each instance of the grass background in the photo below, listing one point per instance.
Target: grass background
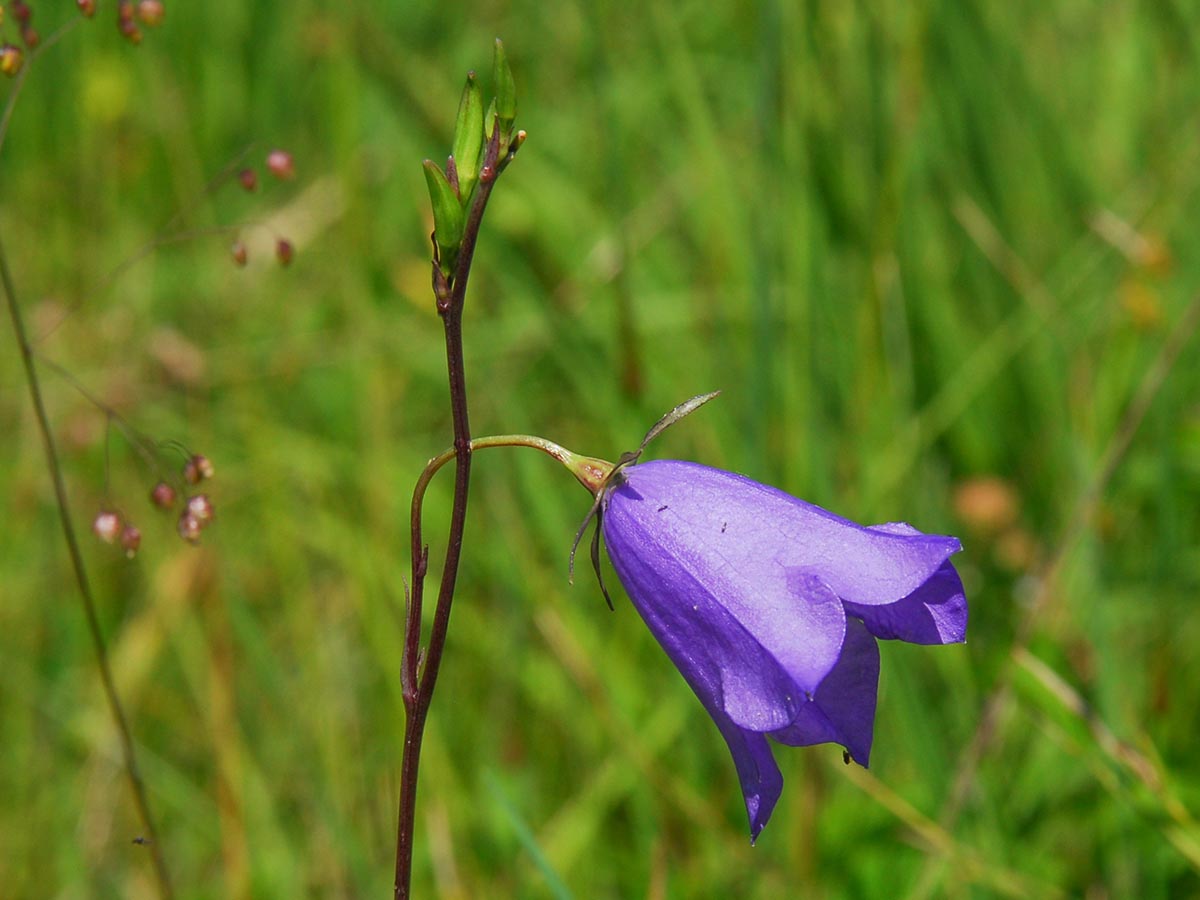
(941, 257)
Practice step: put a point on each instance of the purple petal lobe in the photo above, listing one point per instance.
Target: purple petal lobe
(935, 613)
(757, 772)
(843, 708)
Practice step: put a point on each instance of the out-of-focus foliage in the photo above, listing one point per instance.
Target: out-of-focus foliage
(940, 258)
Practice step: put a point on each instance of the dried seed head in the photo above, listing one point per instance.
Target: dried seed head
(106, 525)
(281, 165)
(249, 179)
(131, 540)
(284, 251)
(130, 31)
(189, 527)
(87, 7)
(200, 508)
(163, 495)
(196, 469)
(151, 12)
(238, 251)
(11, 59)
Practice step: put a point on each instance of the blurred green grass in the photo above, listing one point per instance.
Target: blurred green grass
(929, 252)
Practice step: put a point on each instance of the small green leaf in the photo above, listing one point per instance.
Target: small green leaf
(448, 216)
(468, 137)
(506, 90)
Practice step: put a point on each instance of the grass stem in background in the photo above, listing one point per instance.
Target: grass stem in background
(128, 752)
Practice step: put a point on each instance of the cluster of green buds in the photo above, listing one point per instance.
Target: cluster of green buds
(484, 142)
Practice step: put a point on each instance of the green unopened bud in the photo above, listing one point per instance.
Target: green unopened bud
(468, 138)
(506, 90)
(489, 121)
(448, 218)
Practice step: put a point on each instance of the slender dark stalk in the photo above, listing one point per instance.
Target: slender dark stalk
(128, 754)
(141, 253)
(419, 669)
(142, 444)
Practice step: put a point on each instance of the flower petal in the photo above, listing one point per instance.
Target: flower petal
(935, 613)
(729, 669)
(757, 771)
(751, 635)
(864, 565)
(843, 709)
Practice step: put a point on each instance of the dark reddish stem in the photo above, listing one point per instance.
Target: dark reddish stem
(419, 668)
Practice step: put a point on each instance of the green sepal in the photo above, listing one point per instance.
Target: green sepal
(448, 216)
(468, 138)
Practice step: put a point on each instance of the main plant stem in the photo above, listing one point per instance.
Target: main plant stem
(419, 669)
(128, 754)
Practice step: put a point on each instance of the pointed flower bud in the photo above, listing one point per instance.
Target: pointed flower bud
(468, 138)
(448, 218)
(506, 90)
(87, 7)
(106, 526)
(489, 120)
(249, 179)
(284, 251)
(237, 250)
